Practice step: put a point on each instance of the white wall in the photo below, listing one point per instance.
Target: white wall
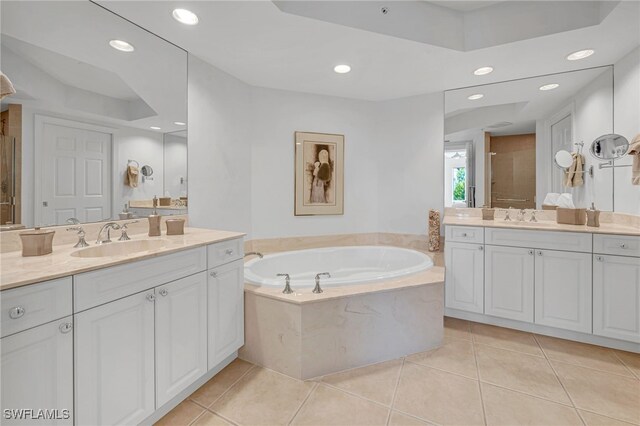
(627, 123)
(175, 166)
(219, 149)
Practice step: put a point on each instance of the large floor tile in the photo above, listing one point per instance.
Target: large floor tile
(222, 381)
(505, 407)
(439, 397)
(209, 419)
(582, 354)
(521, 372)
(604, 393)
(455, 356)
(376, 382)
(329, 406)
(400, 419)
(505, 338)
(184, 414)
(456, 328)
(262, 397)
(592, 419)
(631, 360)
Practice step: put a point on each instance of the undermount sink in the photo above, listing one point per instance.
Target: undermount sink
(120, 248)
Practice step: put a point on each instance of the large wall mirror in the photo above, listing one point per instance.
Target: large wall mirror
(511, 144)
(98, 122)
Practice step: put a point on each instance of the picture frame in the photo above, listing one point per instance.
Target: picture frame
(319, 174)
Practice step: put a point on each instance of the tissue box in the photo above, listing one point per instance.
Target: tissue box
(571, 216)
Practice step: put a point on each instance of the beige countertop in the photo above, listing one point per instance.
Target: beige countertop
(16, 271)
(434, 275)
(543, 225)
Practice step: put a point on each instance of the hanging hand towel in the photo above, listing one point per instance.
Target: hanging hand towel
(131, 176)
(6, 88)
(634, 149)
(574, 175)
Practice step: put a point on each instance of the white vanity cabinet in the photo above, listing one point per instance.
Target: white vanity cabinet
(616, 297)
(115, 361)
(181, 335)
(226, 310)
(464, 276)
(37, 372)
(509, 281)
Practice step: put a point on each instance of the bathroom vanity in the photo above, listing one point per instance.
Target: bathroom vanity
(562, 280)
(120, 336)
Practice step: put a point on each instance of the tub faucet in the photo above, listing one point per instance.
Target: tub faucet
(254, 253)
(317, 288)
(287, 288)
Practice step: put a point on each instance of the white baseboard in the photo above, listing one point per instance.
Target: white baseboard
(544, 330)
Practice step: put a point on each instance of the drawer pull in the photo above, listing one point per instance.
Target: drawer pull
(17, 312)
(151, 297)
(164, 292)
(464, 234)
(213, 274)
(600, 258)
(65, 327)
(480, 248)
(623, 246)
(228, 252)
(539, 252)
(531, 252)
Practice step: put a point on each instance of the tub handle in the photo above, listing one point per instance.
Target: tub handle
(287, 287)
(317, 289)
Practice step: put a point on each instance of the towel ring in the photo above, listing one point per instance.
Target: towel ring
(133, 161)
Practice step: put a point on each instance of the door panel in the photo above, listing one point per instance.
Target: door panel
(464, 276)
(509, 282)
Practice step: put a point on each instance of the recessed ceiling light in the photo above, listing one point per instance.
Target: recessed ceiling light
(342, 69)
(179, 123)
(185, 16)
(483, 71)
(121, 45)
(154, 128)
(476, 97)
(580, 54)
(549, 86)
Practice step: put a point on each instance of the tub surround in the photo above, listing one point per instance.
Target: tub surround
(19, 271)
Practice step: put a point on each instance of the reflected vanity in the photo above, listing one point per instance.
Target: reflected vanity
(90, 128)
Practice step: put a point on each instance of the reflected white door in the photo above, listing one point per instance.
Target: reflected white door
(75, 174)
(560, 139)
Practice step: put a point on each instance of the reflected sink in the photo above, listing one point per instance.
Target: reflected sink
(120, 248)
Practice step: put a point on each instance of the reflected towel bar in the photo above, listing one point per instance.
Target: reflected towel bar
(608, 165)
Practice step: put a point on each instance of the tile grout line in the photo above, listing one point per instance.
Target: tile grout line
(615, 353)
(304, 401)
(223, 393)
(395, 390)
(608, 417)
(445, 371)
(475, 358)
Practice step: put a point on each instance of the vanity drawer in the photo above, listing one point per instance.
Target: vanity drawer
(550, 240)
(102, 286)
(624, 245)
(464, 234)
(224, 252)
(35, 304)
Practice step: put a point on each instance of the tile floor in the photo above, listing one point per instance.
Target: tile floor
(481, 375)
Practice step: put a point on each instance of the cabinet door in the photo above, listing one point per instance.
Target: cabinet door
(464, 276)
(226, 311)
(181, 335)
(114, 356)
(508, 277)
(616, 297)
(563, 290)
(37, 372)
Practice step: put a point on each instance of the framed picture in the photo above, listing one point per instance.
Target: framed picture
(319, 174)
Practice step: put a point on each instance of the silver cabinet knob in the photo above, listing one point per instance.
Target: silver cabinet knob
(213, 274)
(531, 252)
(539, 252)
(65, 327)
(163, 292)
(600, 258)
(464, 234)
(151, 297)
(229, 252)
(623, 246)
(16, 312)
(480, 248)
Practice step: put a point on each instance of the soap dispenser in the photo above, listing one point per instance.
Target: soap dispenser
(593, 216)
(154, 220)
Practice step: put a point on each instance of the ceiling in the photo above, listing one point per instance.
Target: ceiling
(263, 46)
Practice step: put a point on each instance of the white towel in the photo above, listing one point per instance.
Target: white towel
(6, 88)
(634, 150)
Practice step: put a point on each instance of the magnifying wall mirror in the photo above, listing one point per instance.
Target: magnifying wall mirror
(609, 147)
(563, 159)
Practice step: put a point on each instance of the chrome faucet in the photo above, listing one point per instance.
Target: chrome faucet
(73, 221)
(108, 226)
(81, 241)
(507, 218)
(287, 288)
(123, 227)
(521, 215)
(317, 288)
(255, 253)
(533, 216)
